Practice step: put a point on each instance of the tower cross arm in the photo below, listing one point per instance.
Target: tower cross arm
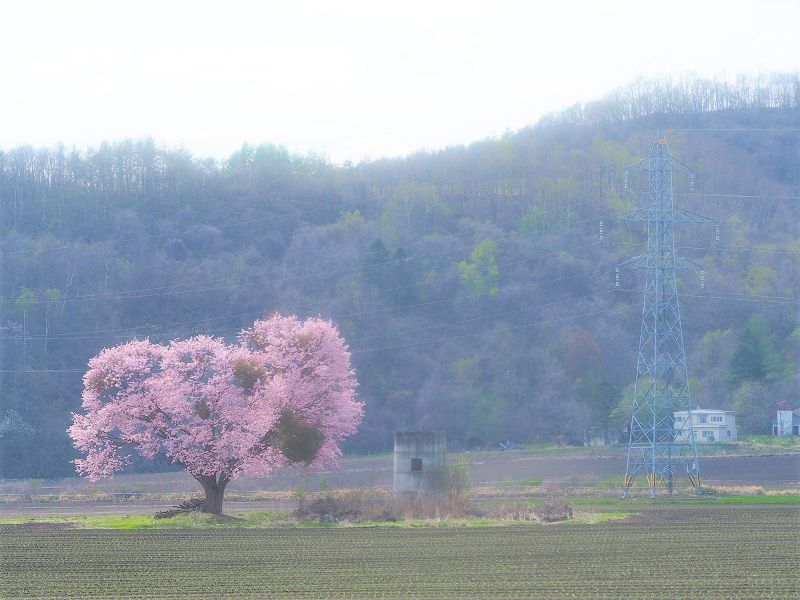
(685, 263)
(637, 215)
(681, 215)
(647, 214)
(644, 261)
(647, 164)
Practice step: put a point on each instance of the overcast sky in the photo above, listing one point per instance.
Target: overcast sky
(350, 79)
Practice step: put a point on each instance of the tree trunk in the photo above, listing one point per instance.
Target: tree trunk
(215, 492)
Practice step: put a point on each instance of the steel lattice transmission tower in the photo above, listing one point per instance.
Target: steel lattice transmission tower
(660, 447)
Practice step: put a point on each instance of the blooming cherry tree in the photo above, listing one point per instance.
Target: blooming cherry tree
(284, 395)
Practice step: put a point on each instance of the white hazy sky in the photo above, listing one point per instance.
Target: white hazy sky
(350, 79)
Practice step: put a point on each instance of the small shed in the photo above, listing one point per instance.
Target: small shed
(603, 437)
(786, 422)
(420, 461)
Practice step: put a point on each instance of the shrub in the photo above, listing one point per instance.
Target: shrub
(518, 510)
(300, 493)
(458, 480)
(351, 505)
(373, 505)
(556, 508)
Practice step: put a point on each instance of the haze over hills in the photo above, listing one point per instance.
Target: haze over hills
(472, 284)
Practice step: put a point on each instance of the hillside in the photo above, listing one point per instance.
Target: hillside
(472, 283)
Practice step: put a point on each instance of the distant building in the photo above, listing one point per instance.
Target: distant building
(420, 461)
(604, 437)
(710, 425)
(786, 422)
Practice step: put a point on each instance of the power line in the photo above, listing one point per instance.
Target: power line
(761, 300)
(734, 248)
(503, 289)
(134, 294)
(159, 291)
(742, 196)
(483, 317)
(79, 334)
(737, 129)
(264, 219)
(750, 295)
(417, 331)
(193, 229)
(503, 330)
(771, 299)
(718, 248)
(71, 336)
(447, 338)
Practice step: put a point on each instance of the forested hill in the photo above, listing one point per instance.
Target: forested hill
(472, 284)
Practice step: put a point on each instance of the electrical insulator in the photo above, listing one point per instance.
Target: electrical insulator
(702, 279)
(616, 277)
(716, 231)
(626, 179)
(601, 231)
(691, 181)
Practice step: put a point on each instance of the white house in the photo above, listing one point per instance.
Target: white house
(787, 422)
(710, 425)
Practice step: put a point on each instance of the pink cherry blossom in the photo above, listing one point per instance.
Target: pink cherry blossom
(284, 395)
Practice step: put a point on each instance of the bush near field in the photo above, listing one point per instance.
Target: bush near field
(451, 502)
(372, 505)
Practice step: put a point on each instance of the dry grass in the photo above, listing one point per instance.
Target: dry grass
(784, 492)
(508, 492)
(380, 505)
(733, 490)
(514, 510)
(556, 508)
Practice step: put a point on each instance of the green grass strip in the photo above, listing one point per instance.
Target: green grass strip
(789, 500)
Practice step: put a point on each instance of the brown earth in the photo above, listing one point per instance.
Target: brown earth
(487, 469)
(700, 552)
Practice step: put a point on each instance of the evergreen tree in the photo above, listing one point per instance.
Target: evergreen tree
(755, 358)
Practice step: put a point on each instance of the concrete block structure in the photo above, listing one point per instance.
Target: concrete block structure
(420, 461)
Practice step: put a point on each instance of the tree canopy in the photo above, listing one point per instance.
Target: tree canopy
(284, 395)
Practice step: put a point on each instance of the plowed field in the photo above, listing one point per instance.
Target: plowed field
(665, 552)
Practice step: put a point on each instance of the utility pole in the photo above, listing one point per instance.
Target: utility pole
(659, 446)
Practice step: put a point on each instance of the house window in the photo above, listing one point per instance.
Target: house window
(708, 435)
(416, 464)
(796, 430)
(716, 419)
